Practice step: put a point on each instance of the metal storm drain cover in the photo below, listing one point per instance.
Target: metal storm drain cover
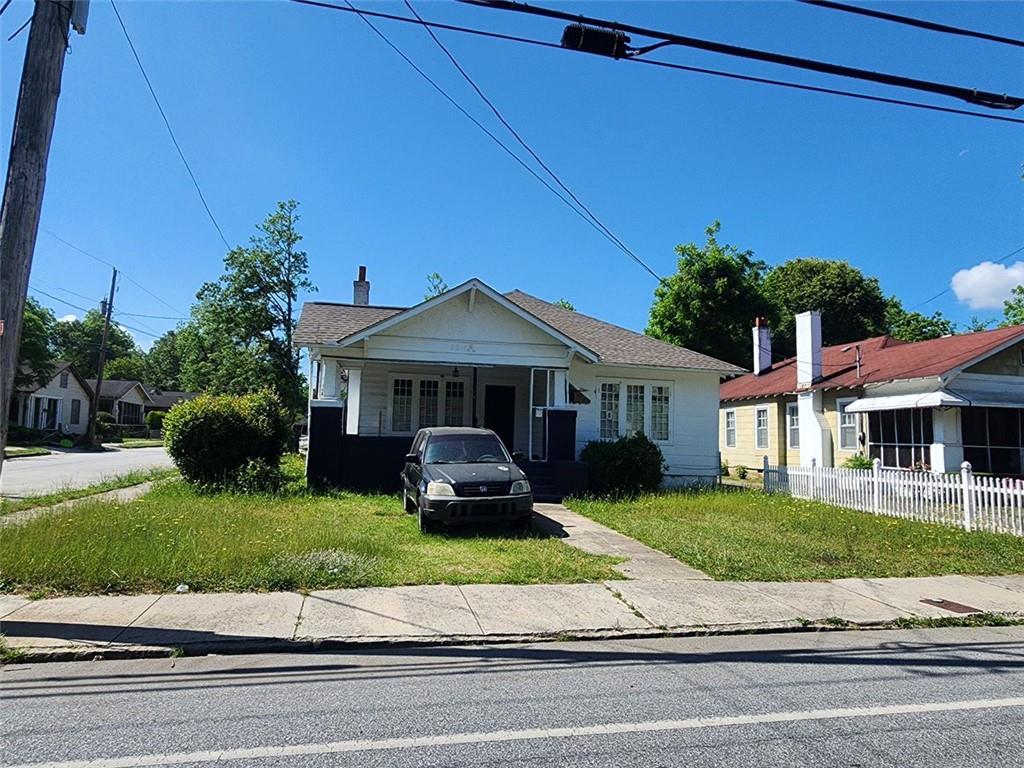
(949, 605)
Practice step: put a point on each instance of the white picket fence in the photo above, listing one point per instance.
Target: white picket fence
(994, 504)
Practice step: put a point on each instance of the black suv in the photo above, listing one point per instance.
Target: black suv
(463, 474)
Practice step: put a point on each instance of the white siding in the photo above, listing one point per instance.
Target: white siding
(74, 391)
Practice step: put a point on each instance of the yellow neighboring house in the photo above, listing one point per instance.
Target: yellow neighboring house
(925, 405)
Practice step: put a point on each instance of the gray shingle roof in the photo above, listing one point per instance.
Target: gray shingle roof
(325, 322)
(115, 389)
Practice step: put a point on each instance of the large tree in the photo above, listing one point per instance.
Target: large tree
(35, 355)
(78, 341)
(711, 301)
(1013, 308)
(240, 335)
(852, 305)
(901, 323)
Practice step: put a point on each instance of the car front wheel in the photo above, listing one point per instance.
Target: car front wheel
(426, 524)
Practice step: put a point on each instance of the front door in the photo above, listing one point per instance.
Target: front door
(500, 412)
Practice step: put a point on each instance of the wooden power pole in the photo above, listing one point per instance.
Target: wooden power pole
(26, 177)
(108, 310)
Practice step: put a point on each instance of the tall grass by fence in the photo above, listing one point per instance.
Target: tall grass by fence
(994, 504)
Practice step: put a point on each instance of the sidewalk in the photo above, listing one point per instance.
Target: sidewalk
(657, 595)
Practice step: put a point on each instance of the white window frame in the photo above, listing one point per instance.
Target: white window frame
(841, 402)
(668, 413)
(648, 385)
(792, 410)
(767, 427)
(63, 382)
(416, 378)
(730, 443)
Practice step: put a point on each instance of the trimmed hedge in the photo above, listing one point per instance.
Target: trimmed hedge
(624, 467)
(228, 441)
(155, 420)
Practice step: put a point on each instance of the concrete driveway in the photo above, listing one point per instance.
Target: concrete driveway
(74, 469)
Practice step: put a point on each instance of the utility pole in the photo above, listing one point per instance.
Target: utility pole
(108, 310)
(26, 176)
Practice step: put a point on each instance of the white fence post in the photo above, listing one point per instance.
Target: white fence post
(966, 477)
(814, 478)
(876, 486)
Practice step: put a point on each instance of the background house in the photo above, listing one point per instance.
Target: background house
(163, 400)
(125, 400)
(548, 380)
(927, 404)
(61, 403)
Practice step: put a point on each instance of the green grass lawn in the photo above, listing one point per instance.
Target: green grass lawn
(16, 452)
(141, 442)
(110, 484)
(750, 536)
(297, 540)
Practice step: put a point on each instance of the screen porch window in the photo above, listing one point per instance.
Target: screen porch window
(793, 425)
(454, 403)
(609, 410)
(401, 405)
(901, 438)
(429, 396)
(131, 413)
(994, 439)
(848, 426)
(634, 408)
(730, 429)
(761, 428)
(660, 404)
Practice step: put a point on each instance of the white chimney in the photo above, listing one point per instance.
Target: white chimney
(361, 289)
(808, 348)
(762, 346)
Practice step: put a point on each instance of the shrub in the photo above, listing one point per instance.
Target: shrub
(217, 441)
(258, 476)
(105, 423)
(741, 472)
(155, 420)
(858, 461)
(725, 469)
(19, 435)
(627, 466)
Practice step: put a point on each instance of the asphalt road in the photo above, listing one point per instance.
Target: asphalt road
(950, 697)
(74, 469)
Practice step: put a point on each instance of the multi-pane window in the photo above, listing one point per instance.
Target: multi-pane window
(454, 403)
(994, 439)
(848, 426)
(761, 428)
(64, 380)
(428, 405)
(609, 410)
(76, 411)
(131, 413)
(634, 408)
(793, 425)
(901, 438)
(660, 403)
(730, 429)
(401, 405)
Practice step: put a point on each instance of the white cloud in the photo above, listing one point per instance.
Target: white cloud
(67, 318)
(987, 285)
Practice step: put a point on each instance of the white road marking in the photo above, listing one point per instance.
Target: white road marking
(526, 734)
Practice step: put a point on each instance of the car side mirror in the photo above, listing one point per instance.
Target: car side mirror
(518, 456)
(412, 458)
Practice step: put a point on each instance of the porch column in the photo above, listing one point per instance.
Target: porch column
(328, 389)
(947, 448)
(355, 382)
(560, 395)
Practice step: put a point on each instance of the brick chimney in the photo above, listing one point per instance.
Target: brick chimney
(361, 289)
(762, 346)
(808, 348)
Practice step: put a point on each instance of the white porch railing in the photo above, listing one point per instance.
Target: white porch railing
(994, 504)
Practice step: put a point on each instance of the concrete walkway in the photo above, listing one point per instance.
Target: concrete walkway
(121, 495)
(656, 595)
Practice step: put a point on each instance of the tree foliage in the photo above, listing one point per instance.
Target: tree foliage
(709, 303)
(78, 342)
(1013, 308)
(566, 304)
(905, 325)
(35, 355)
(435, 286)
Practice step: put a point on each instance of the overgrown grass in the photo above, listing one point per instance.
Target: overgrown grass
(124, 480)
(296, 540)
(750, 536)
(16, 452)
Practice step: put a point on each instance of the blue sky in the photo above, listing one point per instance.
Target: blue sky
(272, 100)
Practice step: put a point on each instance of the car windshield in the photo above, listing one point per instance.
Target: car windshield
(464, 449)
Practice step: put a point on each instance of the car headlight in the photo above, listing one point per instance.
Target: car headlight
(436, 488)
(520, 486)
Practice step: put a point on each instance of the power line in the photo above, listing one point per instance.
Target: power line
(529, 149)
(912, 22)
(699, 70)
(84, 309)
(944, 291)
(4, 6)
(18, 30)
(151, 317)
(167, 123)
(970, 95)
(464, 112)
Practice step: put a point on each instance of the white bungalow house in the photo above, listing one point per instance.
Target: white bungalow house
(59, 404)
(548, 380)
(125, 400)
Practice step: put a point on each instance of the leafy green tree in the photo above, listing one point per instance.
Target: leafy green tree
(435, 286)
(129, 367)
(711, 301)
(1013, 308)
(78, 342)
(163, 361)
(905, 325)
(566, 304)
(852, 305)
(35, 355)
(976, 325)
(240, 336)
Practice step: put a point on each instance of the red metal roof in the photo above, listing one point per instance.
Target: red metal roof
(882, 359)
